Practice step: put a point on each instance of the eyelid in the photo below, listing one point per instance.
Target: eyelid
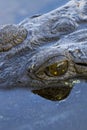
(55, 59)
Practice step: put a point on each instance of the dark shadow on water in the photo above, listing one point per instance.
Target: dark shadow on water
(54, 94)
(57, 93)
(50, 93)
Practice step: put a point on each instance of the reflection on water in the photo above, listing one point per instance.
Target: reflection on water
(54, 94)
(22, 110)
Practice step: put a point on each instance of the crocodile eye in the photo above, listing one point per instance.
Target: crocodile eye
(57, 69)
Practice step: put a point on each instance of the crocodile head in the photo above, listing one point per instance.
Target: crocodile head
(62, 59)
(59, 64)
(52, 70)
(45, 51)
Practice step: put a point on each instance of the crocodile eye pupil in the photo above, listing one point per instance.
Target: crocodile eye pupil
(57, 69)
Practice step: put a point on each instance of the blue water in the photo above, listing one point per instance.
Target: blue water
(22, 110)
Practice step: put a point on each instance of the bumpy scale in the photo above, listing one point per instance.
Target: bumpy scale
(10, 36)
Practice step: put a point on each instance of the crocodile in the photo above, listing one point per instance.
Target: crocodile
(47, 50)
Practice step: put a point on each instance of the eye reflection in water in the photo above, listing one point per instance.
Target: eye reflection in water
(54, 94)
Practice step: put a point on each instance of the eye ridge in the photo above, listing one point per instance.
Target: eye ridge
(57, 69)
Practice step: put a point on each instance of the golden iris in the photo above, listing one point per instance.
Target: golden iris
(57, 69)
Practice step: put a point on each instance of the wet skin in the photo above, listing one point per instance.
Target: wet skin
(45, 51)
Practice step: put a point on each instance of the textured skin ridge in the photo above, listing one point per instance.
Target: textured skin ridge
(10, 36)
(29, 48)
